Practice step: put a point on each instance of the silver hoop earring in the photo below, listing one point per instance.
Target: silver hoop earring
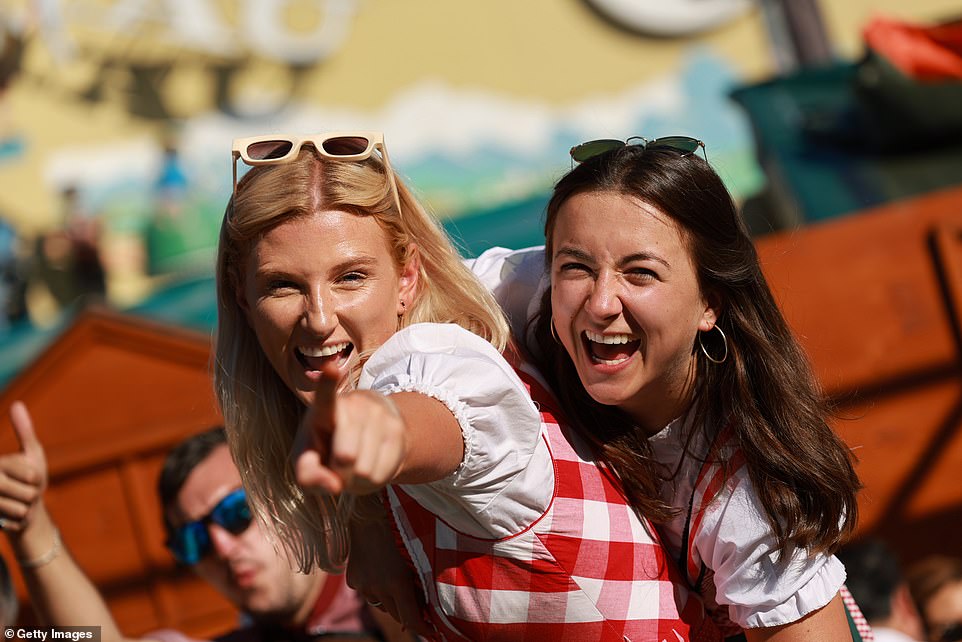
(724, 345)
(554, 333)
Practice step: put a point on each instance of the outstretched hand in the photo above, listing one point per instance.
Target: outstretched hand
(23, 474)
(349, 441)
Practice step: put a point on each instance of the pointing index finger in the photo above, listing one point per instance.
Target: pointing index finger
(325, 399)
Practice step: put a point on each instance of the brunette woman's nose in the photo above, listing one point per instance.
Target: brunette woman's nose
(604, 300)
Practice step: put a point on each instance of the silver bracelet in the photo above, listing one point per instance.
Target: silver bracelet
(47, 557)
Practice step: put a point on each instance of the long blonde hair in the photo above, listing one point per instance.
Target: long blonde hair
(261, 414)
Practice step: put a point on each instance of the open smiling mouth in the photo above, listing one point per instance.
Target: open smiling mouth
(610, 349)
(315, 358)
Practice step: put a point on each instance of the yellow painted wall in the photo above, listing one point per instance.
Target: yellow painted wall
(550, 51)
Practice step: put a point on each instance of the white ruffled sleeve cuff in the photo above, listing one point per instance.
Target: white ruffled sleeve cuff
(818, 591)
(506, 476)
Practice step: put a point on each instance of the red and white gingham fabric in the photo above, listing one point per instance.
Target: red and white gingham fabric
(861, 624)
(588, 569)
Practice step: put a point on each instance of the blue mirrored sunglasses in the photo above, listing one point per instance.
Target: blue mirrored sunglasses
(684, 145)
(190, 543)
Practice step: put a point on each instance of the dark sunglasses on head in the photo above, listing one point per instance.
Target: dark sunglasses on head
(684, 145)
(190, 542)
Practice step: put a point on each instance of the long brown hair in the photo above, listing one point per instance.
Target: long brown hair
(261, 414)
(802, 472)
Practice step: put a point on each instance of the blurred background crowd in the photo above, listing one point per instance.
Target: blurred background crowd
(836, 125)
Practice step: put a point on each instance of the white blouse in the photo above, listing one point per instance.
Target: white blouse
(506, 477)
(735, 540)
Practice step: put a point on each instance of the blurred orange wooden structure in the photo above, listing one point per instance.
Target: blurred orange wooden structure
(109, 398)
(876, 298)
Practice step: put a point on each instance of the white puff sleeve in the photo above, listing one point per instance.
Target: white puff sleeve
(516, 278)
(506, 478)
(760, 588)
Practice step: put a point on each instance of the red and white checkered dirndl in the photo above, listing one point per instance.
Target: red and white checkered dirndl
(588, 569)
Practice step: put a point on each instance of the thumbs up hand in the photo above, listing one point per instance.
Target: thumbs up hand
(348, 442)
(23, 474)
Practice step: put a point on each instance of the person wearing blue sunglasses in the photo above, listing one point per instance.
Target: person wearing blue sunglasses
(209, 528)
(192, 542)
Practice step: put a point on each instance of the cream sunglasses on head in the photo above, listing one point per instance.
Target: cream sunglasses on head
(274, 149)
